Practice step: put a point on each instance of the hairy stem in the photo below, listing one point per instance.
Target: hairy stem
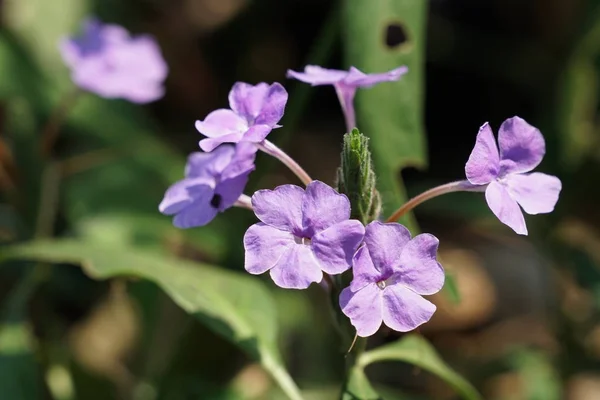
(288, 161)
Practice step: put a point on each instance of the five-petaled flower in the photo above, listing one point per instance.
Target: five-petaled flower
(302, 234)
(107, 61)
(391, 272)
(255, 112)
(213, 183)
(503, 172)
(345, 84)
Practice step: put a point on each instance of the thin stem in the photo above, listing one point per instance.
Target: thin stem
(244, 202)
(288, 161)
(51, 130)
(459, 186)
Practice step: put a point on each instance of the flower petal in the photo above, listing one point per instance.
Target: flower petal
(280, 207)
(522, 146)
(322, 207)
(335, 246)
(257, 133)
(484, 162)
(209, 144)
(230, 190)
(403, 310)
(221, 122)
(202, 164)
(537, 193)
(264, 246)
(273, 106)
(358, 78)
(316, 75)
(385, 243)
(505, 207)
(176, 198)
(297, 268)
(363, 270)
(199, 211)
(242, 161)
(419, 269)
(364, 308)
(183, 193)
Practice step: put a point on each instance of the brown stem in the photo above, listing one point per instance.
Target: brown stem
(51, 130)
(459, 186)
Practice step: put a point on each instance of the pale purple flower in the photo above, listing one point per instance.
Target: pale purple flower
(255, 111)
(302, 234)
(345, 84)
(213, 183)
(522, 148)
(108, 61)
(391, 273)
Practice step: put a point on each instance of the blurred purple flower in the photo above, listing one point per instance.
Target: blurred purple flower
(213, 182)
(301, 234)
(345, 84)
(507, 186)
(255, 111)
(391, 272)
(107, 61)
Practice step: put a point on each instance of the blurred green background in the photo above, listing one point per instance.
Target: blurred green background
(526, 321)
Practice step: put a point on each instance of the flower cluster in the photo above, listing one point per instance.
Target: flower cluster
(306, 235)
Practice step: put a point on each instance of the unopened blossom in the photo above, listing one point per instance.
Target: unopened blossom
(254, 112)
(302, 234)
(504, 173)
(106, 60)
(391, 273)
(213, 183)
(345, 84)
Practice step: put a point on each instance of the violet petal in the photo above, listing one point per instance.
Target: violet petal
(522, 146)
(537, 193)
(403, 309)
(419, 269)
(264, 246)
(323, 207)
(505, 207)
(484, 162)
(335, 246)
(280, 207)
(297, 268)
(364, 308)
(385, 242)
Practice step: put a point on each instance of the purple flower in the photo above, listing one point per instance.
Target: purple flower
(107, 61)
(302, 234)
(213, 182)
(255, 111)
(522, 148)
(345, 83)
(391, 272)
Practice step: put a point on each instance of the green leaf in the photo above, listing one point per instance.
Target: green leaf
(234, 305)
(391, 114)
(358, 386)
(414, 349)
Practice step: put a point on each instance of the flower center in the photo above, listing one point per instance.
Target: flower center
(381, 285)
(301, 240)
(216, 200)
